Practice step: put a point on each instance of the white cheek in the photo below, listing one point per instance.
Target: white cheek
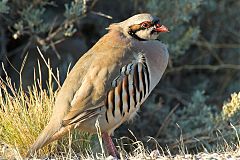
(154, 36)
(146, 34)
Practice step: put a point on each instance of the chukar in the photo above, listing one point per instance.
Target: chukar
(110, 81)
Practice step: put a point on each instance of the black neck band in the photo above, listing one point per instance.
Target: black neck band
(133, 34)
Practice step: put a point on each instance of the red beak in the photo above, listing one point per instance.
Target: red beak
(162, 28)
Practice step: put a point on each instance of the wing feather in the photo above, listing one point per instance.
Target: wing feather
(110, 82)
(95, 84)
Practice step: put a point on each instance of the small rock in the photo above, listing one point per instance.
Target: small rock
(111, 158)
(155, 154)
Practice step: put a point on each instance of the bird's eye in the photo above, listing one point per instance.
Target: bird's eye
(145, 25)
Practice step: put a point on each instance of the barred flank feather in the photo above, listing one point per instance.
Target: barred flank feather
(129, 90)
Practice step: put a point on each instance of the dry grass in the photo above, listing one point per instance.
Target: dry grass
(138, 151)
(23, 115)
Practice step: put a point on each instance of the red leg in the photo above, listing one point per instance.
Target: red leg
(109, 144)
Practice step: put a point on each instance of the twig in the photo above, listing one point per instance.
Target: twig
(166, 121)
(212, 51)
(101, 14)
(227, 78)
(39, 51)
(27, 46)
(93, 4)
(175, 94)
(18, 49)
(55, 50)
(217, 45)
(204, 67)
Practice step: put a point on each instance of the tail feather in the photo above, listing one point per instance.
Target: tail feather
(44, 138)
(48, 135)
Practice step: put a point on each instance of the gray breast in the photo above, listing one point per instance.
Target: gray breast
(156, 55)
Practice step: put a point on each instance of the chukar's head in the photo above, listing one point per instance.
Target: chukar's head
(143, 27)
